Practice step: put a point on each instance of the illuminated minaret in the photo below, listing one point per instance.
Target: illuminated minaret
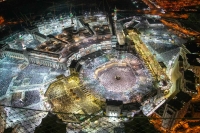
(76, 26)
(115, 14)
(22, 42)
(71, 16)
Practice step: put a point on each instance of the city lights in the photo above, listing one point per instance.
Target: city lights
(99, 71)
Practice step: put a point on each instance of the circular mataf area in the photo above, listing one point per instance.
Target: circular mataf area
(119, 77)
(116, 76)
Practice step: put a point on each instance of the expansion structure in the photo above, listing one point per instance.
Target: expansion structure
(87, 67)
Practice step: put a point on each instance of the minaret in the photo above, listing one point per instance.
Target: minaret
(22, 42)
(115, 14)
(25, 52)
(77, 24)
(71, 16)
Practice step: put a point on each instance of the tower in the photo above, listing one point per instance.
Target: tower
(175, 109)
(76, 25)
(71, 16)
(115, 14)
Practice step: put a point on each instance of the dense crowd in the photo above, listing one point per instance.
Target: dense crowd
(134, 78)
(108, 78)
(8, 69)
(31, 97)
(4, 84)
(34, 74)
(27, 120)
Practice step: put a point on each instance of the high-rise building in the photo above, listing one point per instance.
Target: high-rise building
(175, 109)
(195, 109)
(194, 61)
(190, 83)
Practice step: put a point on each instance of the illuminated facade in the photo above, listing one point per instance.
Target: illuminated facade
(113, 107)
(34, 57)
